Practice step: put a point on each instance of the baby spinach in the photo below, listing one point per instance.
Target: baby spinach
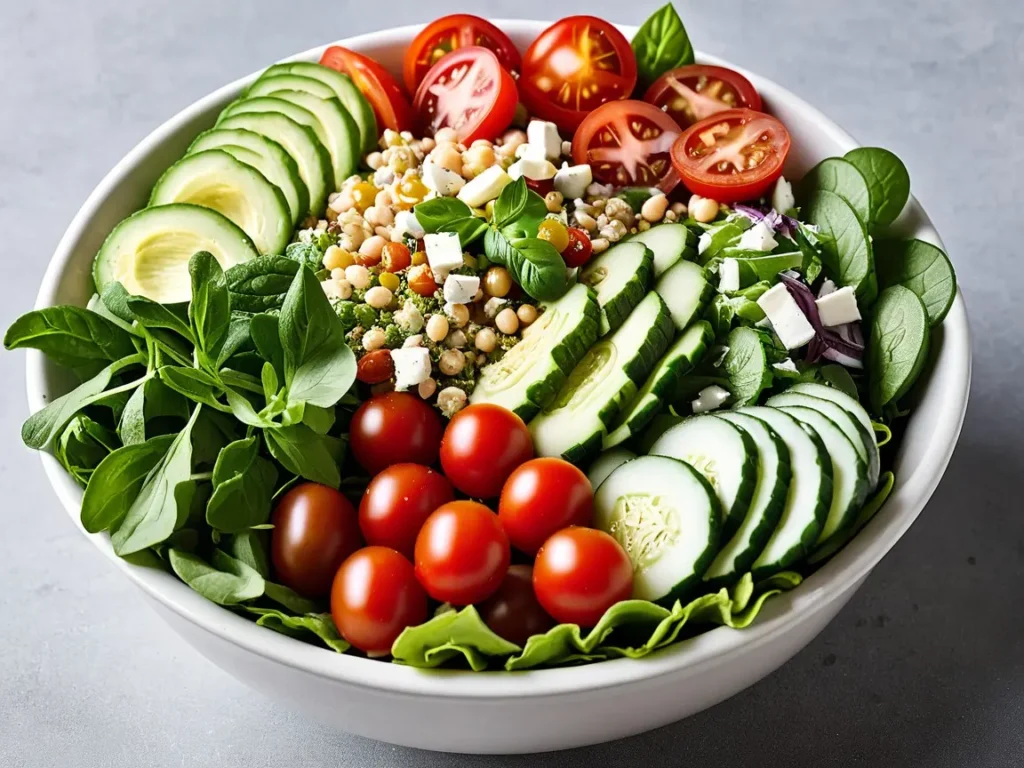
(209, 311)
(847, 250)
(746, 366)
(82, 445)
(921, 267)
(243, 483)
(248, 546)
(898, 345)
(289, 598)
(842, 177)
(260, 284)
(887, 179)
(193, 383)
(225, 580)
(318, 625)
(117, 480)
(660, 44)
(303, 452)
(173, 317)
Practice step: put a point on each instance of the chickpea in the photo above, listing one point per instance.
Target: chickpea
(446, 134)
(413, 341)
(485, 340)
(452, 362)
(375, 160)
(459, 313)
(358, 276)
(456, 339)
(379, 297)
(477, 159)
(336, 258)
(507, 322)
(371, 249)
(703, 209)
(378, 216)
(654, 208)
(426, 389)
(427, 144)
(437, 328)
(527, 313)
(553, 201)
(373, 339)
(497, 282)
(600, 245)
(342, 288)
(448, 157)
(555, 233)
(585, 220)
(511, 141)
(451, 400)
(678, 209)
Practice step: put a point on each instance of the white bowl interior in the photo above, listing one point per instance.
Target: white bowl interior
(925, 451)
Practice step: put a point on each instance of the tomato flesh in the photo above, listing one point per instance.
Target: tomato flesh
(513, 612)
(579, 250)
(398, 501)
(448, 33)
(481, 446)
(541, 497)
(390, 104)
(692, 93)
(733, 155)
(393, 428)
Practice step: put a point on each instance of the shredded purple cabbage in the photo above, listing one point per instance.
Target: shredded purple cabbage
(843, 344)
(784, 225)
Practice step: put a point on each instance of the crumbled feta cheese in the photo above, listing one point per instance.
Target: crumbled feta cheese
(532, 168)
(540, 133)
(758, 238)
(444, 253)
(406, 223)
(493, 306)
(786, 365)
(703, 243)
(383, 176)
(789, 323)
(827, 287)
(782, 196)
(485, 187)
(710, 398)
(409, 318)
(442, 181)
(460, 289)
(572, 181)
(729, 275)
(839, 307)
(412, 366)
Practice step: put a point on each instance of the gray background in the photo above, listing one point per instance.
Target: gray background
(925, 667)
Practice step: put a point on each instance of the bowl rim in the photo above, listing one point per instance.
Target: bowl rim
(713, 647)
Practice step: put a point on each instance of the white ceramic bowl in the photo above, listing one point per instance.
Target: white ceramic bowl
(527, 711)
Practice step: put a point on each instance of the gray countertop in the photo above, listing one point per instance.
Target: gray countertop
(924, 667)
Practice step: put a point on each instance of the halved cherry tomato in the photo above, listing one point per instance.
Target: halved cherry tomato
(579, 250)
(389, 102)
(628, 143)
(691, 93)
(455, 31)
(481, 446)
(513, 612)
(374, 597)
(575, 66)
(394, 428)
(469, 91)
(541, 497)
(733, 155)
(421, 280)
(398, 501)
(395, 257)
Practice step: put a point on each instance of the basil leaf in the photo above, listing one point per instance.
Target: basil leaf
(898, 345)
(887, 179)
(541, 271)
(305, 453)
(746, 366)
(921, 267)
(226, 582)
(209, 311)
(847, 251)
(660, 44)
(468, 228)
(434, 214)
(194, 384)
(260, 284)
(116, 482)
(249, 547)
(242, 486)
(71, 336)
(266, 337)
(319, 625)
(511, 203)
(173, 317)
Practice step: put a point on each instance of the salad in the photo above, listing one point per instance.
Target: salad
(520, 360)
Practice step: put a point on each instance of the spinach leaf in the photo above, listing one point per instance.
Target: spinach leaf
(637, 196)
(115, 300)
(511, 203)
(887, 179)
(842, 177)
(898, 345)
(236, 341)
(132, 424)
(249, 547)
(116, 482)
(534, 263)
(194, 384)
(764, 267)
(319, 625)
(225, 581)
(434, 214)
(811, 245)
(719, 236)
(289, 598)
(847, 252)
(265, 333)
(242, 486)
(163, 499)
(305, 453)
(306, 254)
(173, 317)
(71, 336)
(921, 267)
(242, 409)
(449, 635)
(82, 445)
(260, 284)
(746, 365)
(660, 44)
(209, 311)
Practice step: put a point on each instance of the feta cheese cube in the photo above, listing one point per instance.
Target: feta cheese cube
(703, 243)
(572, 181)
(532, 168)
(786, 365)
(406, 223)
(444, 253)
(782, 196)
(540, 133)
(460, 289)
(827, 287)
(530, 150)
(789, 323)
(440, 180)
(759, 237)
(493, 306)
(485, 187)
(412, 366)
(839, 307)
(729, 275)
(710, 398)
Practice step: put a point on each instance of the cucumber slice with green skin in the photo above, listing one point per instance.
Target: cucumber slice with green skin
(862, 439)
(214, 179)
(148, 252)
(341, 135)
(602, 384)
(681, 358)
(766, 505)
(665, 515)
(849, 472)
(310, 156)
(267, 85)
(619, 277)
(724, 454)
(349, 96)
(530, 374)
(607, 463)
(670, 243)
(686, 291)
(808, 498)
(266, 156)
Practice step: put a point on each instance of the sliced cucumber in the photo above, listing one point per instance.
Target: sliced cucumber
(344, 89)
(724, 454)
(268, 85)
(670, 243)
(266, 156)
(863, 440)
(310, 156)
(606, 463)
(682, 356)
(530, 374)
(148, 252)
(773, 476)
(341, 135)
(214, 179)
(809, 496)
(849, 471)
(620, 277)
(602, 384)
(686, 290)
(666, 517)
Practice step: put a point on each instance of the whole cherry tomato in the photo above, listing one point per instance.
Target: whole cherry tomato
(421, 280)
(395, 257)
(398, 501)
(462, 553)
(393, 428)
(541, 497)
(375, 367)
(315, 529)
(481, 446)
(580, 573)
(374, 597)
(579, 250)
(513, 612)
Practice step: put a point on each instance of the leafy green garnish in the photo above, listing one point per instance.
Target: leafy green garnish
(746, 366)
(888, 182)
(921, 267)
(260, 284)
(847, 252)
(898, 345)
(842, 177)
(661, 44)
